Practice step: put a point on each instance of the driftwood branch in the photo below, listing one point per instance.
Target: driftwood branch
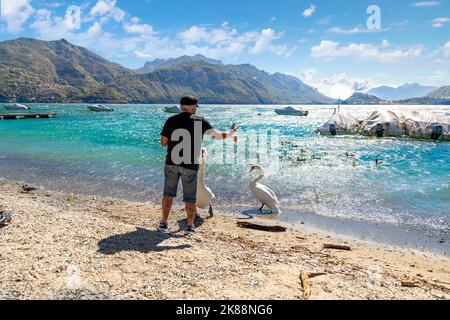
(306, 285)
(409, 284)
(336, 247)
(248, 225)
(316, 274)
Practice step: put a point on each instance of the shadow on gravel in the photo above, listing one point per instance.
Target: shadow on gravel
(141, 240)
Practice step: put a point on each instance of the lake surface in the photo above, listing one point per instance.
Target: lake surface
(118, 154)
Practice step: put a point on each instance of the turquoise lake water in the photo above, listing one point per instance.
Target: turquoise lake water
(118, 154)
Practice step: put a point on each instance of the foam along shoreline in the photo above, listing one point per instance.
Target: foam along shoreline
(62, 246)
(421, 237)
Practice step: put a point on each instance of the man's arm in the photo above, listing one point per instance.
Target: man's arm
(164, 141)
(165, 134)
(222, 135)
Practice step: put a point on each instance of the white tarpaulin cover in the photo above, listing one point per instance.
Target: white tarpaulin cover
(422, 124)
(342, 122)
(385, 123)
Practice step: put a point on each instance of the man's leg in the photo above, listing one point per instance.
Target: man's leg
(172, 177)
(190, 211)
(189, 180)
(166, 207)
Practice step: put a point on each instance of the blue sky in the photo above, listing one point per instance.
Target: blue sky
(328, 44)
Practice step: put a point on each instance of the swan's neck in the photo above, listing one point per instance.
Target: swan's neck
(201, 171)
(260, 177)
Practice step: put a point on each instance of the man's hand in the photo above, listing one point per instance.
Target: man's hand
(223, 135)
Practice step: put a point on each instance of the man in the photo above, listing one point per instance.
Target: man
(183, 135)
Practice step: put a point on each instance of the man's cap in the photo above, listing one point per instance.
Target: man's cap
(189, 101)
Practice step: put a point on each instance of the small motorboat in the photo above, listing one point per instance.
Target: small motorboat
(16, 106)
(100, 108)
(290, 111)
(174, 109)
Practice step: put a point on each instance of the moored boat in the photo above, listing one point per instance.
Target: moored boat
(100, 108)
(16, 106)
(174, 109)
(290, 111)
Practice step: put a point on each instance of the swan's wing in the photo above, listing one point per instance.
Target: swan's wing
(268, 190)
(265, 195)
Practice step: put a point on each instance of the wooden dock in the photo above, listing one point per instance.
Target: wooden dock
(17, 116)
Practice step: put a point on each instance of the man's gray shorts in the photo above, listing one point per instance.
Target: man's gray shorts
(188, 179)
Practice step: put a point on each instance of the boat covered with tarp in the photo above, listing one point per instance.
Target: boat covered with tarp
(340, 123)
(425, 125)
(383, 123)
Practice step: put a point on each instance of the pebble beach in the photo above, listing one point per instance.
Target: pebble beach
(65, 246)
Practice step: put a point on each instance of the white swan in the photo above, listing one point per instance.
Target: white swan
(204, 194)
(264, 194)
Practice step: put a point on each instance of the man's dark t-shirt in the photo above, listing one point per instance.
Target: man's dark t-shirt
(192, 124)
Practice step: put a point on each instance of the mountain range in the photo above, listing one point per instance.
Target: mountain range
(407, 91)
(441, 93)
(157, 64)
(440, 96)
(57, 71)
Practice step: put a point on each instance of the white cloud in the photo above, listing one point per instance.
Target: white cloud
(338, 86)
(141, 40)
(307, 76)
(342, 86)
(136, 27)
(228, 41)
(329, 50)
(197, 34)
(107, 9)
(438, 76)
(310, 11)
(15, 13)
(264, 43)
(439, 22)
(446, 50)
(356, 30)
(425, 4)
(385, 44)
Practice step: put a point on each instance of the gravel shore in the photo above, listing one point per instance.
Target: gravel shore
(61, 246)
